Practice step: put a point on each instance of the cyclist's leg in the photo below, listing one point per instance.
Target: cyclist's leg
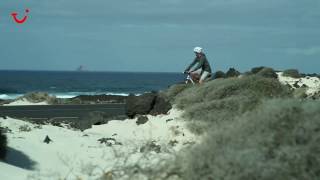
(203, 77)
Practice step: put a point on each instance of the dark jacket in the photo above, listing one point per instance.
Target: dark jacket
(202, 63)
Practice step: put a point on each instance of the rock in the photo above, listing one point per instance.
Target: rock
(232, 73)
(5, 130)
(169, 120)
(109, 141)
(142, 120)
(267, 73)
(255, 70)
(142, 104)
(173, 142)
(98, 99)
(161, 106)
(296, 85)
(3, 145)
(219, 74)
(294, 73)
(94, 118)
(47, 139)
(151, 146)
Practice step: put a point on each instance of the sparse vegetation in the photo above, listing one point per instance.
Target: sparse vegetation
(36, 97)
(253, 128)
(25, 128)
(224, 99)
(278, 140)
(176, 89)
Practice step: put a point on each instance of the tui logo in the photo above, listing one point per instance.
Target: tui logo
(20, 21)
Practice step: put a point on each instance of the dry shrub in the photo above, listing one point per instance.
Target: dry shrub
(224, 99)
(278, 140)
(175, 89)
(36, 97)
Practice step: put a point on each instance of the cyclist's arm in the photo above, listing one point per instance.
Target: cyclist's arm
(191, 65)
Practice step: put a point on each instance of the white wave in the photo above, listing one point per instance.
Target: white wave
(10, 96)
(74, 94)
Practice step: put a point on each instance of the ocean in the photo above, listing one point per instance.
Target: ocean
(68, 84)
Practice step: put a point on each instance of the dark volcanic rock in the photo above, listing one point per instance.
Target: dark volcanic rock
(294, 73)
(109, 141)
(150, 146)
(89, 99)
(232, 73)
(142, 120)
(95, 118)
(267, 73)
(161, 106)
(255, 70)
(219, 74)
(47, 139)
(140, 104)
(3, 145)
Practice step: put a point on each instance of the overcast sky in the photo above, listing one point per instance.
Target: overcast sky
(150, 35)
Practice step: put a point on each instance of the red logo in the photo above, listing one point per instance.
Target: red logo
(20, 21)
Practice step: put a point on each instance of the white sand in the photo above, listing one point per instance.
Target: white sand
(74, 154)
(312, 83)
(23, 102)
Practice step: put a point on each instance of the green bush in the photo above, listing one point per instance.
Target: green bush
(278, 140)
(223, 99)
(173, 90)
(291, 73)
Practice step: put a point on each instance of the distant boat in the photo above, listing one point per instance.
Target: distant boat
(80, 68)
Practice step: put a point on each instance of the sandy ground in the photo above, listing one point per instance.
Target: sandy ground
(312, 83)
(24, 102)
(74, 154)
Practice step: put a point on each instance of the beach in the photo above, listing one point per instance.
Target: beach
(117, 146)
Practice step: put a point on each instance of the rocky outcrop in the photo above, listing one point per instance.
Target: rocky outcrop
(96, 99)
(142, 120)
(294, 73)
(3, 145)
(219, 74)
(142, 104)
(232, 73)
(148, 103)
(255, 70)
(267, 73)
(161, 105)
(95, 118)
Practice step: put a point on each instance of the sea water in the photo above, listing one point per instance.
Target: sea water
(68, 84)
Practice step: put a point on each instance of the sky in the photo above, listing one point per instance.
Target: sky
(159, 35)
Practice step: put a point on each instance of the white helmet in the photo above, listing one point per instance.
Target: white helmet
(198, 50)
